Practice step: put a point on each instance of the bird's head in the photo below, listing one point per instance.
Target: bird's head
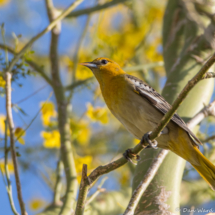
(104, 69)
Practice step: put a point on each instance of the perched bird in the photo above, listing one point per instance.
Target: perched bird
(140, 108)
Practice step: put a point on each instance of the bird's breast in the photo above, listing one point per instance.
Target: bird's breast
(134, 112)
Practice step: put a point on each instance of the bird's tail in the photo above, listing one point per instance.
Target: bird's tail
(205, 168)
(190, 152)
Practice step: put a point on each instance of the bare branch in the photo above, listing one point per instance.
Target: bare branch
(95, 9)
(12, 142)
(167, 117)
(98, 191)
(58, 184)
(7, 173)
(208, 75)
(138, 192)
(205, 112)
(78, 83)
(47, 29)
(36, 67)
(208, 139)
(62, 105)
(82, 192)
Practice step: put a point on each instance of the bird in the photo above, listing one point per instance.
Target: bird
(140, 108)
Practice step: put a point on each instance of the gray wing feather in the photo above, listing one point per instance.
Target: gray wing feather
(160, 103)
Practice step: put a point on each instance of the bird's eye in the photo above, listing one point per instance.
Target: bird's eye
(104, 61)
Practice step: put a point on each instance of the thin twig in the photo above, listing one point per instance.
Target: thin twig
(144, 66)
(95, 8)
(7, 173)
(208, 139)
(205, 112)
(167, 117)
(31, 63)
(98, 191)
(84, 186)
(138, 192)
(12, 142)
(208, 75)
(76, 55)
(47, 29)
(58, 184)
(78, 83)
(24, 131)
(29, 96)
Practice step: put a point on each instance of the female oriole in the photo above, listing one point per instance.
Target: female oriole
(140, 108)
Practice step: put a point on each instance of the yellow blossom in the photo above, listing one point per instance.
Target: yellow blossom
(36, 204)
(2, 124)
(136, 141)
(2, 81)
(48, 111)
(19, 133)
(10, 167)
(4, 2)
(124, 177)
(51, 139)
(97, 114)
(80, 131)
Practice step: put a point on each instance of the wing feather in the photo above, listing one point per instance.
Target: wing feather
(147, 92)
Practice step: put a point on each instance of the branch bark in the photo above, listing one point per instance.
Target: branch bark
(47, 29)
(7, 173)
(157, 161)
(95, 8)
(12, 142)
(63, 120)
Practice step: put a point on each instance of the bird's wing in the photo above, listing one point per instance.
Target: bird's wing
(157, 101)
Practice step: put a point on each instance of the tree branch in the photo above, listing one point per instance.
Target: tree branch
(167, 117)
(47, 29)
(205, 112)
(12, 142)
(138, 192)
(78, 83)
(98, 191)
(58, 184)
(36, 67)
(63, 121)
(208, 75)
(7, 173)
(84, 186)
(95, 8)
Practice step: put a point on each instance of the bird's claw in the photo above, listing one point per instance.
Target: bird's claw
(128, 155)
(151, 144)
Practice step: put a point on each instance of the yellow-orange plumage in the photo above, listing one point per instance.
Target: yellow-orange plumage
(140, 108)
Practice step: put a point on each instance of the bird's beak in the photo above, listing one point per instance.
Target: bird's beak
(89, 65)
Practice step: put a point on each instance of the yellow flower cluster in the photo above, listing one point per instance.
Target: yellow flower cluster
(80, 131)
(98, 114)
(10, 167)
(36, 204)
(48, 111)
(2, 82)
(51, 139)
(19, 133)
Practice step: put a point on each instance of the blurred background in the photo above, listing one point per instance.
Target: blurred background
(129, 33)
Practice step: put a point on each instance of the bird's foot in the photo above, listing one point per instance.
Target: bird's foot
(128, 155)
(151, 144)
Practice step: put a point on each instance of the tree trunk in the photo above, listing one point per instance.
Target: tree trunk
(183, 46)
